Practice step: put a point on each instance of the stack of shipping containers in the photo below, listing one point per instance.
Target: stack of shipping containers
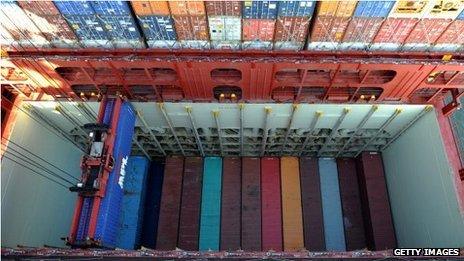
(190, 23)
(225, 24)
(452, 39)
(259, 20)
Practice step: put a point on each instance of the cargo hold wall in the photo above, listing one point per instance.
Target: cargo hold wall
(422, 195)
(35, 210)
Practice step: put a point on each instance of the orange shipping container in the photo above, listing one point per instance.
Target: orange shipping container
(222, 8)
(258, 30)
(428, 30)
(294, 29)
(187, 7)
(329, 29)
(336, 8)
(191, 27)
(454, 34)
(292, 217)
(150, 7)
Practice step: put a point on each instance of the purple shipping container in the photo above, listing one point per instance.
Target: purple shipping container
(251, 204)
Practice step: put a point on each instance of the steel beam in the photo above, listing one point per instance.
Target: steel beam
(290, 124)
(140, 147)
(241, 107)
(168, 121)
(268, 111)
(334, 130)
(384, 125)
(312, 126)
(218, 127)
(427, 109)
(373, 109)
(152, 135)
(188, 109)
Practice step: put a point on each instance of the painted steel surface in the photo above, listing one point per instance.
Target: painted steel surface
(292, 216)
(292, 29)
(90, 31)
(122, 31)
(351, 204)
(225, 28)
(187, 8)
(39, 7)
(395, 30)
(251, 204)
(111, 8)
(311, 202)
(296, 8)
(331, 205)
(336, 8)
(329, 29)
(261, 30)
(168, 223)
(427, 31)
(224, 8)
(74, 7)
(362, 30)
(189, 223)
(210, 220)
(133, 201)
(152, 204)
(191, 27)
(110, 206)
(271, 209)
(260, 9)
(231, 204)
(373, 8)
(158, 28)
(144, 8)
(380, 233)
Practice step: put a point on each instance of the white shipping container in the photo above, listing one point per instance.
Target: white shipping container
(257, 45)
(225, 28)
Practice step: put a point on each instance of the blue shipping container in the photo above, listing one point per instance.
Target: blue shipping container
(111, 7)
(74, 7)
(110, 206)
(152, 204)
(296, 8)
(158, 28)
(210, 219)
(373, 8)
(260, 9)
(120, 27)
(461, 16)
(133, 202)
(87, 27)
(331, 206)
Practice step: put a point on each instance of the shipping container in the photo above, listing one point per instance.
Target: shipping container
(373, 8)
(191, 28)
(110, 8)
(145, 8)
(260, 9)
(90, 31)
(258, 30)
(74, 7)
(187, 8)
(133, 201)
(189, 222)
(210, 220)
(311, 202)
(40, 8)
(291, 32)
(448, 9)
(360, 32)
(327, 32)
(452, 39)
(425, 33)
(251, 204)
(168, 222)
(110, 206)
(230, 205)
(123, 31)
(292, 215)
(378, 221)
(393, 33)
(351, 204)
(224, 8)
(331, 205)
(336, 8)
(271, 205)
(159, 31)
(225, 28)
(152, 204)
(296, 8)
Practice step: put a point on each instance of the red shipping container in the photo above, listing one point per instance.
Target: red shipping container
(428, 30)
(395, 30)
(293, 29)
(258, 30)
(251, 204)
(351, 204)
(378, 223)
(168, 224)
(191, 27)
(362, 29)
(223, 8)
(231, 193)
(39, 7)
(454, 34)
(329, 29)
(271, 204)
(314, 239)
(189, 224)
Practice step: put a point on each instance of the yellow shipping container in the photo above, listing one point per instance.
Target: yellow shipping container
(336, 8)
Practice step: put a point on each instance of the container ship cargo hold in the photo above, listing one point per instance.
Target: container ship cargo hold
(231, 129)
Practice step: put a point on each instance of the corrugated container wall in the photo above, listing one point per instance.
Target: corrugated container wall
(191, 23)
(453, 38)
(259, 19)
(143, 8)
